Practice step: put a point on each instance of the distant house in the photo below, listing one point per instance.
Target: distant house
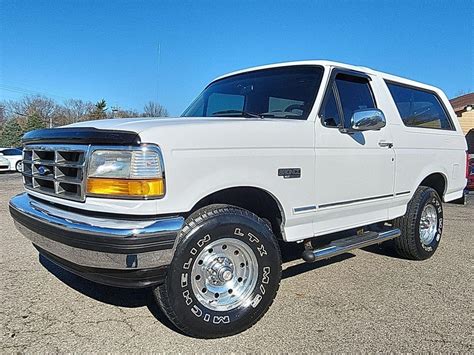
(464, 108)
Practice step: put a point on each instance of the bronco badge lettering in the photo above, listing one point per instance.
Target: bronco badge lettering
(290, 173)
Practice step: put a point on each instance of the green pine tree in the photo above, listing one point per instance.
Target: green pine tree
(34, 122)
(99, 110)
(11, 134)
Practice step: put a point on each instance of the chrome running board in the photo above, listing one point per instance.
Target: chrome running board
(341, 246)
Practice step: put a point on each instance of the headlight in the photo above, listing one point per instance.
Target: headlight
(126, 173)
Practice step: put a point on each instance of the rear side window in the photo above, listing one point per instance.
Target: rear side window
(419, 108)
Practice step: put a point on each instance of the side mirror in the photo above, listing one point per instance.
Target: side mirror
(368, 120)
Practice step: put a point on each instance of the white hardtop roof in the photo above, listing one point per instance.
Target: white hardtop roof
(333, 64)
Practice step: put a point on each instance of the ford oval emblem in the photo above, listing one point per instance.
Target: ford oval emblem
(42, 170)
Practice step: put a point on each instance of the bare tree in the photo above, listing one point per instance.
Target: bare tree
(154, 109)
(123, 113)
(3, 115)
(76, 110)
(2, 112)
(42, 107)
(40, 111)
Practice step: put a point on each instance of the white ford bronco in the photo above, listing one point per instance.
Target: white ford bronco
(196, 207)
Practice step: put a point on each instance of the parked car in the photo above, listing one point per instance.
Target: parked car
(470, 164)
(14, 155)
(470, 177)
(4, 164)
(195, 207)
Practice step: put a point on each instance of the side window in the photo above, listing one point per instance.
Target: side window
(12, 152)
(330, 112)
(419, 108)
(224, 102)
(354, 94)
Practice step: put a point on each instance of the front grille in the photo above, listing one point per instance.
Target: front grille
(55, 170)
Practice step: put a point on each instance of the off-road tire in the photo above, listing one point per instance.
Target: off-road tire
(208, 225)
(409, 245)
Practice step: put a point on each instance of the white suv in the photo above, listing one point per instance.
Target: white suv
(195, 207)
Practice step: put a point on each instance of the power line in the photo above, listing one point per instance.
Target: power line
(158, 73)
(20, 90)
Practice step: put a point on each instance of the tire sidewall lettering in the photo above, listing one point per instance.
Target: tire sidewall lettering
(433, 200)
(261, 249)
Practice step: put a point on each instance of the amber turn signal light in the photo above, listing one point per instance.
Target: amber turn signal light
(126, 187)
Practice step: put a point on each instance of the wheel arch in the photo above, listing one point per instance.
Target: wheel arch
(437, 181)
(254, 199)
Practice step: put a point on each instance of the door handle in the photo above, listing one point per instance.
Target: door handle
(385, 144)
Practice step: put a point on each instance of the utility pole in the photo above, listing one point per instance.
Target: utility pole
(158, 74)
(114, 110)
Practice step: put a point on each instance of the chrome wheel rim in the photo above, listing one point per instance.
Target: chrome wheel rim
(428, 224)
(224, 274)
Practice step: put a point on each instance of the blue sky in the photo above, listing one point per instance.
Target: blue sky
(109, 49)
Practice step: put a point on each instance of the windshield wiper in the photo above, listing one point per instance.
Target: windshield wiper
(280, 115)
(242, 113)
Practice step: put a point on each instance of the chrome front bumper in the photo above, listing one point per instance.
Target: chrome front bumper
(99, 248)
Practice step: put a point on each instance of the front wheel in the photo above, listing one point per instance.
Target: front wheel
(422, 225)
(224, 275)
(19, 166)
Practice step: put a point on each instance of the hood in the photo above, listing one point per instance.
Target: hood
(193, 133)
(141, 124)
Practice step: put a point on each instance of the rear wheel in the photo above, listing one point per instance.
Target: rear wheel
(224, 275)
(421, 226)
(19, 166)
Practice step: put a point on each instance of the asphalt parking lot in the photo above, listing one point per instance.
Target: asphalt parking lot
(363, 301)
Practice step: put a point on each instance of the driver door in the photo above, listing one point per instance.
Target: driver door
(354, 171)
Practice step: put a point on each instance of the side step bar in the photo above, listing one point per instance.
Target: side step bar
(344, 245)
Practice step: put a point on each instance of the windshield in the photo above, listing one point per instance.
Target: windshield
(284, 92)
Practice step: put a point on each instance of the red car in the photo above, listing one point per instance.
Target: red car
(470, 159)
(470, 172)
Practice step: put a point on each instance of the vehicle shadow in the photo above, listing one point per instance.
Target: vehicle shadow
(292, 252)
(10, 172)
(123, 297)
(132, 298)
(305, 267)
(384, 249)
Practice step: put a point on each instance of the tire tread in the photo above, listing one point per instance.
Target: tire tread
(405, 245)
(194, 220)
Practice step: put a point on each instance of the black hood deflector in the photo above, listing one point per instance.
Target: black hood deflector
(82, 135)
